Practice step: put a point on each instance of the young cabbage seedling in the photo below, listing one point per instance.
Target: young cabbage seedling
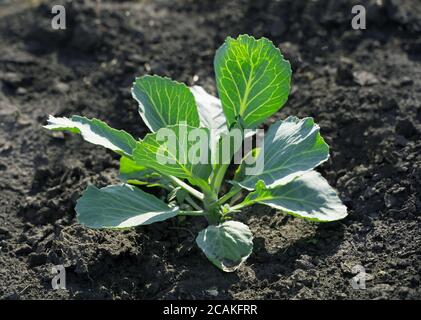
(253, 82)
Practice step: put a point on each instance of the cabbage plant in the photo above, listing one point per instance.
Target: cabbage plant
(253, 83)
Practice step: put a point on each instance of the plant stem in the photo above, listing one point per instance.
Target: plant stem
(192, 213)
(218, 178)
(192, 203)
(212, 208)
(158, 185)
(241, 205)
(234, 190)
(188, 188)
(221, 169)
(235, 198)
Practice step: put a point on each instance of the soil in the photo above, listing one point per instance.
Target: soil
(362, 86)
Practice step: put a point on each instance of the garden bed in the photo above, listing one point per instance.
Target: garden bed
(363, 87)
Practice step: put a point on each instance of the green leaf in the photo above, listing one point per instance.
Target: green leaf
(96, 132)
(291, 147)
(253, 79)
(226, 245)
(120, 206)
(210, 111)
(170, 150)
(133, 173)
(212, 117)
(308, 196)
(164, 102)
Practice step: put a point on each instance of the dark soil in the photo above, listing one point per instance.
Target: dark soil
(362, 86)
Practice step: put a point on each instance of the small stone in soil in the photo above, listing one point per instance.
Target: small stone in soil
(364, 78)
(212, 292)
